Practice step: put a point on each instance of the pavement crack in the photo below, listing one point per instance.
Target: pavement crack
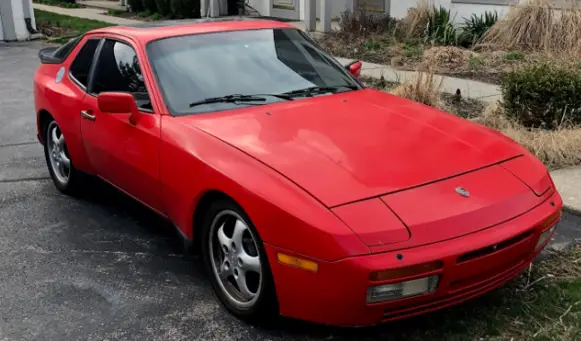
(40, 178)
(18, 144)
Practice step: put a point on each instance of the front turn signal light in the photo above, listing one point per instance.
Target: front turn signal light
(297, 262)
(386, 275)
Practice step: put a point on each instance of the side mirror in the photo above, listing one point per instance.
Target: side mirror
(355, 68)
(117, 103)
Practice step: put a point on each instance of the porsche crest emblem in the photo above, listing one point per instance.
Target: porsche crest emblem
(463, 192)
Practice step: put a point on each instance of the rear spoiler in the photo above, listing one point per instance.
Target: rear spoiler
(47, 56)
(58, 54)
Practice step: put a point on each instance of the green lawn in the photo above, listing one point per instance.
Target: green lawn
(57, 26)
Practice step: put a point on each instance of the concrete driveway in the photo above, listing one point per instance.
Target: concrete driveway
(101, 267)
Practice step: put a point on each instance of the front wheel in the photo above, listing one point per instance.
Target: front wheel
(64, 175)
(235, 258)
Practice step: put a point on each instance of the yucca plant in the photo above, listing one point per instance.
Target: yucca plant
(476, 27)
(440, 29)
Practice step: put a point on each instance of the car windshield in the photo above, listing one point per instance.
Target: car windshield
(260, 63)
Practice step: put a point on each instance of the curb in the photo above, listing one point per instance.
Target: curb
(573, 210)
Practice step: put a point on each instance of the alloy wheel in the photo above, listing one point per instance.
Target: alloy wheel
(58, 156)
(235, 259)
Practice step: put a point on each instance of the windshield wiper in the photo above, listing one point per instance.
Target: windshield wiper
(314, 90)
(239, 99)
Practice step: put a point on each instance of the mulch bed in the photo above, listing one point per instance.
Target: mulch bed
(463, 107)
(483, 65)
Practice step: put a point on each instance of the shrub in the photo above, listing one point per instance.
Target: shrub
(543, 95)
(149, 5)
(59, 3)
(135, 5)
(163, 7)
(185, 8)
(476, 27)
(144, 14)
(156, 16)
(363, 22)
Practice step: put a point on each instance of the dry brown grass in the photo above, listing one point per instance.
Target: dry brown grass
(539, 26)
(555, 148)
(416, 20)
(423, 88)
(446, 57)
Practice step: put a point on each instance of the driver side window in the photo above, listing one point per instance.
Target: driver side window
(118, 70)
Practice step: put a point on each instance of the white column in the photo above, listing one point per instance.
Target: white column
(13, 24)
(326, 7)
(29, 12)
(310, 15)
(214, 8)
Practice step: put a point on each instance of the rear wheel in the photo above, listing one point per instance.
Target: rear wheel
(64, 175)
(235, 258)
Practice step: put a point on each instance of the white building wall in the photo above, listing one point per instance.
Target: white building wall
(398, 9)
(29, 12)
(338, 7)
(262, 6)
(19, 23)
(13, 25)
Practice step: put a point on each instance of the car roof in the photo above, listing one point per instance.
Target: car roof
(148, 31)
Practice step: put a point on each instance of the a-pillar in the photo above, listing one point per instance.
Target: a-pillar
(14, 15)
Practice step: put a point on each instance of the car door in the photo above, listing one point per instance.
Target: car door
(122, 152)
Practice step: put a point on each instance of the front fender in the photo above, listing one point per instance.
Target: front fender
(193, 163)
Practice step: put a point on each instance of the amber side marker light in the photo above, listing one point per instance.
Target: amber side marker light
(553, 218)
(386, 275)
(297, 262)
(547, 233)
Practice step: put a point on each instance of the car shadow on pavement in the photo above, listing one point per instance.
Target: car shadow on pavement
(115, 202)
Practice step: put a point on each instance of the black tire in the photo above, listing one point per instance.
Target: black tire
(265, 308)
(75, 178)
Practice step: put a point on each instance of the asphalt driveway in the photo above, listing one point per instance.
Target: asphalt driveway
(101, 267)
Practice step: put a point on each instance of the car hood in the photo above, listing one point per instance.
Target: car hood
(356, 145)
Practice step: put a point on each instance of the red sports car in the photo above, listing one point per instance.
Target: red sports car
(308, 194)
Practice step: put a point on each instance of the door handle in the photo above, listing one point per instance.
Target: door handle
(88, 115)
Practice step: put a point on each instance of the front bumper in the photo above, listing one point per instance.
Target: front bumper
(336, 294)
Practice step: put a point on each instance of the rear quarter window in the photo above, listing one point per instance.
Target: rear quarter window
(63, 52)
